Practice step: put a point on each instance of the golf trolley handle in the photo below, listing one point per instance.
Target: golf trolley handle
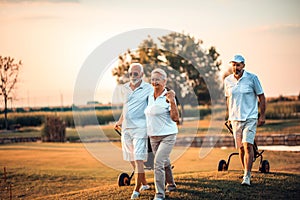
(118, 131)
(229, 127)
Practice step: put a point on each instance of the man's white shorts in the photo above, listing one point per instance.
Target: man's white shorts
(134, 144)
(244, 131)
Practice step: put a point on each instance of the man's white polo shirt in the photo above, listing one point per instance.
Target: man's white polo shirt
(159, 121)
(242, 96)
(134, 104)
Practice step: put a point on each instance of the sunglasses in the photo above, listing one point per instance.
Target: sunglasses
(133, 74)
(236, 64)
(155, 79)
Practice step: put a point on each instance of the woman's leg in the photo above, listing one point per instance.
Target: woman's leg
(162, 147)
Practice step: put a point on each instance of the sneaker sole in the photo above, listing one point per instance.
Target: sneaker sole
(246, 184)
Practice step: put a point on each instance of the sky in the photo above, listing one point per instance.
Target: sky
(54, 39)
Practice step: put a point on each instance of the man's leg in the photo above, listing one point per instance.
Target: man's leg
(140, 175)
(248, 158)
(248, 141)
(242, 156)
(140, 154)
(133, 164)
(237, 134)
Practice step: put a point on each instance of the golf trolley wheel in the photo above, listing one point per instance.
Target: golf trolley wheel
(264, 166)
(123, 179)
(222, 165)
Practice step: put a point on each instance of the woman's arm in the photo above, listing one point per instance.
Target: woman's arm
(174, 114)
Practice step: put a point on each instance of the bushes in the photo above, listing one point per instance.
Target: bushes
(83, 118)
(54, 130)
(24, 119)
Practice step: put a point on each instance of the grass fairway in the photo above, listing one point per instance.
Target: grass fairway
(205, 185)
(68, 171)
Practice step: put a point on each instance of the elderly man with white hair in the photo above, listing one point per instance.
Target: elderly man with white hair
(133, 121)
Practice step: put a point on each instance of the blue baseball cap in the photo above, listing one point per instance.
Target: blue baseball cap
(238, 59)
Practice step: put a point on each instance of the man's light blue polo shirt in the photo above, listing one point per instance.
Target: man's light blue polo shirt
(134, 104)
(242, 96)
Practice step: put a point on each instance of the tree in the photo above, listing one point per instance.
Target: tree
(192, 70)
(9, 71)
(198, 65)
(227, 72)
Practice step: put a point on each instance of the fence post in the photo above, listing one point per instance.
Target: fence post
(4, 175)
(10, 192)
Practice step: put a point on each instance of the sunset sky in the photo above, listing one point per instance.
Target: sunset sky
(54, 38)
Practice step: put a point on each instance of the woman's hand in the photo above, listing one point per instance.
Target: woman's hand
(170, 96)
(174, 114)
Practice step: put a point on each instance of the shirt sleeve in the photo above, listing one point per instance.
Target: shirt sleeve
(257, 86)
(225, 88)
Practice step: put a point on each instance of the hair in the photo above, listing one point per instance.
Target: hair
(136, 64)
(161, 72)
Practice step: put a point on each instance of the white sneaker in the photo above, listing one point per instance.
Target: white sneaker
(170, 188)
(157, 198)
(135, 195)
(145, 187)
(246, 180)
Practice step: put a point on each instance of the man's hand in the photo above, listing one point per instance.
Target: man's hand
(117, 126)
(261, 121)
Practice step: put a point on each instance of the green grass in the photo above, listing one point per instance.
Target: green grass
(68, 171)
(71, 133)
(283, 126)
(213, 185)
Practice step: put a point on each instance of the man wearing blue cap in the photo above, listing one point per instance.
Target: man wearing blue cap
(242, 91)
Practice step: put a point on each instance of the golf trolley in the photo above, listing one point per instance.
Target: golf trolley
(264, 165)
(124, 178)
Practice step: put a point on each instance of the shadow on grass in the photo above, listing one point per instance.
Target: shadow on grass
(227, 185)
(202, 185)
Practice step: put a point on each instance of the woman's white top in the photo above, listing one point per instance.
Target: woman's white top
(158, 117)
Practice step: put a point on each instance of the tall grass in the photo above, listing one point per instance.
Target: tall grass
(275, 110)
(283, 110)
(85, 118)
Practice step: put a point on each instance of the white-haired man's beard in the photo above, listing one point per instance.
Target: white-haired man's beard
(135, 81)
